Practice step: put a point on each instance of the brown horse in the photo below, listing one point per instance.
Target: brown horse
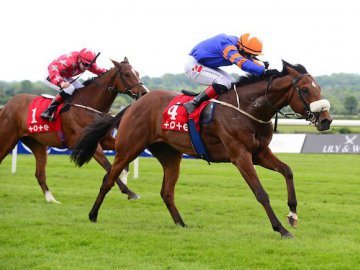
(240, 133)
(85, 104)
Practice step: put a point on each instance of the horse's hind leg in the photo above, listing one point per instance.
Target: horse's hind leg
(40, 153)
(5, 148)
(108, 143)
(170, 160)
(120, 162)
(269, 161)
(100, 157)
(8, 139)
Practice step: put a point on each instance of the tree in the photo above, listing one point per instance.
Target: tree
(351, 105)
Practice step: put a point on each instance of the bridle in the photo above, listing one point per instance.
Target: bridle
(128, 88)
(309, 115)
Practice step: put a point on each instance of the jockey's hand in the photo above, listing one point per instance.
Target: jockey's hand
(266, 64)
(270, 72)
(64, 85)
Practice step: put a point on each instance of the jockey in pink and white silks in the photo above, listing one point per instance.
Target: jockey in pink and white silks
(61, 73)
(221, 50)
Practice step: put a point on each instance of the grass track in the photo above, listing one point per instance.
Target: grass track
(227, 227)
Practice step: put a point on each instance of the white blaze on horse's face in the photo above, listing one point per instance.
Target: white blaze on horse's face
(320, 105)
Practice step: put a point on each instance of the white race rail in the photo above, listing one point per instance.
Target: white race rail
(281, 122)
(303, 122)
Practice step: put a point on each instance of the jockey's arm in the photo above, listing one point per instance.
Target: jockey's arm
(96, 69)
(232, 54)
(54, 75)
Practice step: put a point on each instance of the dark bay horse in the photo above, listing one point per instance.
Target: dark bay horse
(85, 104)
(240, 133)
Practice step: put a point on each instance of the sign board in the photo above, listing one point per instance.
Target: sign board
(287, 143)
(332, 144)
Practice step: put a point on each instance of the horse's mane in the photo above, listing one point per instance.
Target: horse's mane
(250, 79)
(92, 79)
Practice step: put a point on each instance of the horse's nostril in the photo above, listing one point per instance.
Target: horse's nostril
(325, 124)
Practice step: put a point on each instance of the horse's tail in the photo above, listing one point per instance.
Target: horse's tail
(86, 146)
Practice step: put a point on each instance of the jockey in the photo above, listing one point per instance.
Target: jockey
(61, 73)
(221, 50)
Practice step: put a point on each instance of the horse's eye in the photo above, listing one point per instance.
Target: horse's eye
(305, 91)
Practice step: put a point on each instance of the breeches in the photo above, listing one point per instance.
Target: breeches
(205, 75)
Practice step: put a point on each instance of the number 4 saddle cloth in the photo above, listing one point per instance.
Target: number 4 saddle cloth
(35, 124)
(175, 116)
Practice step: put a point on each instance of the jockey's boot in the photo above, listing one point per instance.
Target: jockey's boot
(205, 95)
(49, 113)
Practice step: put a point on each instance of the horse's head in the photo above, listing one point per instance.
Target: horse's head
(128, 80)
(306, 98)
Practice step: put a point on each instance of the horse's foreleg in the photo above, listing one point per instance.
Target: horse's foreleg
(104, 162)
(170, 161)
(269, 161)
(40, 153)
(244, 163)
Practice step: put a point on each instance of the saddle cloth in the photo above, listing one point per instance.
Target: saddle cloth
(175, 116)
(35, 124)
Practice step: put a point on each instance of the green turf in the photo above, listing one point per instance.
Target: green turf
(227, 227)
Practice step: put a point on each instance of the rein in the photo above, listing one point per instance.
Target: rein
(110, 89)
(85, 107)
(309, 115)
(286, 115)
(238, 108)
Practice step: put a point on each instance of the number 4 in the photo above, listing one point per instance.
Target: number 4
(173, 112)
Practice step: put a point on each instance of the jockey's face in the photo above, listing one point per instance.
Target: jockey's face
(84, 66)
(248, 55)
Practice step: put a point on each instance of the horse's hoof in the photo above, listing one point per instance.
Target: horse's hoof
(93, 217)
(181, 224)
(293, 222)
(50, 198)
(133, 196)
(287, 235)
(292, 219)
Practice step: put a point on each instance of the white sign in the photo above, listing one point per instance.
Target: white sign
(287, 143)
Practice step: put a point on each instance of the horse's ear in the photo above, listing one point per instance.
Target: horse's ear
(126, 60)
(114, 62)
(286, 67)
(285, 64)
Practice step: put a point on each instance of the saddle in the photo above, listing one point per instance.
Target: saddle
(176, 118)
